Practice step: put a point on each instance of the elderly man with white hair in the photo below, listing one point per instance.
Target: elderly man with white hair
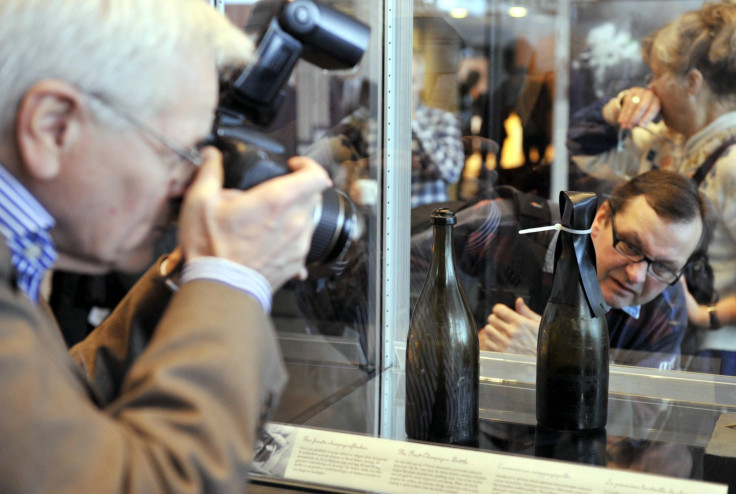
(103, 106)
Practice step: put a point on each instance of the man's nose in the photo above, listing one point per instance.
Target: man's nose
(637, 271)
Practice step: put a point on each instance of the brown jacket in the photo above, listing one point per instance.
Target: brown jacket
(166, 396)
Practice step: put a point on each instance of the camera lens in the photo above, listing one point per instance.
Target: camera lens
(335, 225)
(335, 217)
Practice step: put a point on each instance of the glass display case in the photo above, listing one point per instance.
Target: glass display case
(508, 76)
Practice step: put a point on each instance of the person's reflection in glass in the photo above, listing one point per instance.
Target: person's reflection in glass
(346, 149)
(334, 298)
(437, 153)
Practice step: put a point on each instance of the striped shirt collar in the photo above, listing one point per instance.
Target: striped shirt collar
(25, 224)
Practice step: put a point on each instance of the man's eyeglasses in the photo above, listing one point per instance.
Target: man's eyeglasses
(190, 155)
(631, 252)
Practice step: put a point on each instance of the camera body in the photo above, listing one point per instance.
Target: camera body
(250, 101)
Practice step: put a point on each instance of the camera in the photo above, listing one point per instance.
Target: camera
(249, 102)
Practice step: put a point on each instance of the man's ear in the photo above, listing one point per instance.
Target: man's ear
(48, 126)
(601, 219)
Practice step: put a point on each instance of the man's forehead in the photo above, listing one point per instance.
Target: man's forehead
(661, 237)
(196, 96)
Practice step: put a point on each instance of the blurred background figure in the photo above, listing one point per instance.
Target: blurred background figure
(437, 156)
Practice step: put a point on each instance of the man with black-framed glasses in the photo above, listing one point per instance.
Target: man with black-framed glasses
(665, 272)
(643, 236)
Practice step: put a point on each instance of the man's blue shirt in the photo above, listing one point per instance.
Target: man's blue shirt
(25, 224)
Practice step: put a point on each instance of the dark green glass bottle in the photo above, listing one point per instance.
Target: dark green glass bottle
(442, 352)
(573, 346)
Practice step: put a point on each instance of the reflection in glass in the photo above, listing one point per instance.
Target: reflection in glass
(328, 341)
(588, 448)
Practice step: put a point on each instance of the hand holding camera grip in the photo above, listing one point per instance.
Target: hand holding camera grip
(267, 228)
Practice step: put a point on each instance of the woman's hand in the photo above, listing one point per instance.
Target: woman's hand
(637, 106)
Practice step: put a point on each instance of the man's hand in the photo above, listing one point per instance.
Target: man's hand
(511, 331)
(267, 228)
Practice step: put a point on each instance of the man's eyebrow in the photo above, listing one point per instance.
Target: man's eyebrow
(671, 263)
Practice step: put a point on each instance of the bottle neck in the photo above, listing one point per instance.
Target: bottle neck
(566, 287)
(443, 255)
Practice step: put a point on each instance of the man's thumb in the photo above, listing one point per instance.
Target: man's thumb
(524, 309)
(210, 175)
